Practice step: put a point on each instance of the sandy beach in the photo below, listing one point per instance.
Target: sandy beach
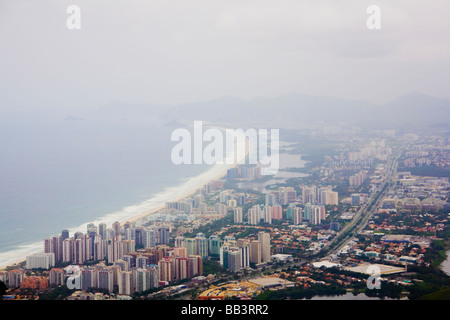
(209, 177)
(183, 197)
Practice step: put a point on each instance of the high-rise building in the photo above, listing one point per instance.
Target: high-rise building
(128, 246)
(102, 230)
(142, 262)
(290, 212)
(40, 260)
(234, 259)
(237, 215)
(139, 236)
(190, 245)
(54, 245)
(267, 214)
(129, 233)
(57, 247)
(255, 252)
(214, 246)
(99, 248)
(48, 245)
(220, 208)
(297, 215)
(316, 214)
(308, 195)
(181, 268)
(163, 235)
(131, 261)
(125, 282)
(110, 233)
(201, 245)
(195, 265)
(112, 247)
(253, 215)
(64, 234)
(244, 255)
(79, 251)
(166, 269)
(68, 249)
(149, 238)
(124, 266)
(180, 241)
(241, 201)
(116, 228)
(307, 211)
(289, 195)
(264, 239)
(88, 247)
(153, 278)
(356, 199)
(78, 234)
(15, 278)
(144, 279)
(271, 199)
(277, 212)
(334, 198)
(137, 281)
(89, 278)
(105, 279)
(56, 277)
(180, 252)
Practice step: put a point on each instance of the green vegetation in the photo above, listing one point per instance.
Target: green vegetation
(387, 289)
(428, 171)
(58, 293)
(212, 267)
(212, 227)
(302, 293)
(443, 294)
(3, 289)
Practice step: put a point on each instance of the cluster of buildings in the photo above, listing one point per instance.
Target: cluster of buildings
(418, 193)
(319, 195)
(120, 265)
(244, 173)
(432, 153)
(98, 243)
(357, 179)
(282, 196)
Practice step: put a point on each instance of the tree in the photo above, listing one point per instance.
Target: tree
(3, 289)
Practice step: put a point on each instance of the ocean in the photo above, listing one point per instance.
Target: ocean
(63, 174)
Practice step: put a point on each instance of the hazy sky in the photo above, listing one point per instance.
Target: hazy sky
(173, 51)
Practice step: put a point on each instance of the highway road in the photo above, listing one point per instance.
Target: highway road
(367, 210)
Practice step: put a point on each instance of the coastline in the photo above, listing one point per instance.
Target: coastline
(216, 172)
(184, 196)
(148, 212)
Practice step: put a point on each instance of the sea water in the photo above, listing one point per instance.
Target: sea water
(63, 174)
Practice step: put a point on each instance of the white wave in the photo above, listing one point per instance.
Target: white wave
(157, 200)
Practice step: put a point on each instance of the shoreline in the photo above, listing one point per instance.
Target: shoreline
(182, 197)
(187, 194)
(142, 215)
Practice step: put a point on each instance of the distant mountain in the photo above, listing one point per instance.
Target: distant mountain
(418, 108)
(300, 106)
(412, 108)
(409, 109)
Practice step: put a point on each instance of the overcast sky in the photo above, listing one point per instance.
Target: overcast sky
(173, 51)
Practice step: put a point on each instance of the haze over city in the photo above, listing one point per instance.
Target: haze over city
(120, 179)
(172, 52)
